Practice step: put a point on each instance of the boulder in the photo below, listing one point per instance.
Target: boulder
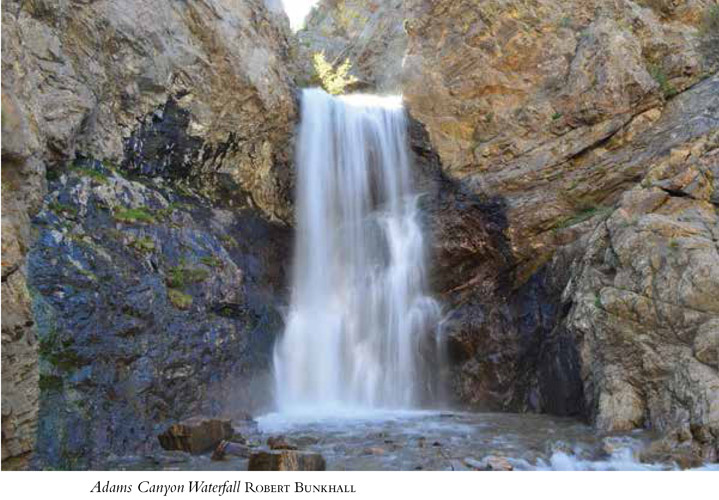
(196, 435)
(286, 460)
(280, 443)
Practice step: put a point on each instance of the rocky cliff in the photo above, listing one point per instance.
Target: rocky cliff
(553, 125)
(567, 151)
(147, 118)
(560, 118)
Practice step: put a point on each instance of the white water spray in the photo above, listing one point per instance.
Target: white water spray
(360, 323)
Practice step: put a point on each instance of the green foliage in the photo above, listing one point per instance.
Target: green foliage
(62, 209)
(211, 261)
(228, 241)
(50, 383)
(181, 276)
(556, 116)
(660, 76)
(144, 244)
(334, 81)
(96, 176)
(179, 299)
(135, 215)
(597, 300)
(59, 353)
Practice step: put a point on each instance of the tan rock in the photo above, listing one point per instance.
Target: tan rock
(196, 435)
(529, 101)
(286, 460)
(706, 343)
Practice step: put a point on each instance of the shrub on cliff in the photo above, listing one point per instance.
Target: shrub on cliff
(334, 81)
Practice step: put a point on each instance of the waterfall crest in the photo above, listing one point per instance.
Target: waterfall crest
(360, 324)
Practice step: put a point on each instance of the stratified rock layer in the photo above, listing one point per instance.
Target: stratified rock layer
(646, 303)
(520, 99)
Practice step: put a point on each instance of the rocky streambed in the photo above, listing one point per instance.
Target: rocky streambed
(429, 440)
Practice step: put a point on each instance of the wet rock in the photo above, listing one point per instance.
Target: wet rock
(196, 435)
(286, 460)
(280, 443)
(489, 463)
(668, 452)
(229, 448)
(109, 248)
(304, 441)
(375, 450)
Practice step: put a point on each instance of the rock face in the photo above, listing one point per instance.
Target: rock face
(150, 306)
(23, 184)
(520, 98)
(545, 118)
(196, 93)
(286, 460)
(196, 435)
(205, 80)
(370, 33)
(544, 121)
(644, 302)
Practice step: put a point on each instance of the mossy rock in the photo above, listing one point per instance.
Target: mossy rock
(181, 276)
(135, 215)
(179, 299)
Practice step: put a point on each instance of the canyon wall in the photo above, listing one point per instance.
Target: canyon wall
(574, 215)
(163, 133)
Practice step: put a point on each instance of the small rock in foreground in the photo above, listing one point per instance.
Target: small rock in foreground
(196, 435)
(286, 460)
(490, 463)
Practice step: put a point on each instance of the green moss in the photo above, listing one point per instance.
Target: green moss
(660, 76)
(181, 276)
(597, 300)
(179, 299)
(556, 116)
(50, 383)
(211, 261)
(92, 174)
(62, 209)
(135, 215)
(88, 274)
(228, 241)
(144, 244)
(60, 354)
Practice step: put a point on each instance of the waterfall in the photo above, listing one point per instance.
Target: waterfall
(361, 326)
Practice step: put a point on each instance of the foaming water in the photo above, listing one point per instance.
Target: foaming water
(361, 323)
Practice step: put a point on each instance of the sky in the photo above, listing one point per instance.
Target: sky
(297, 10)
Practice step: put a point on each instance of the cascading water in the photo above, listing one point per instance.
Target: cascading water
(361, 324)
